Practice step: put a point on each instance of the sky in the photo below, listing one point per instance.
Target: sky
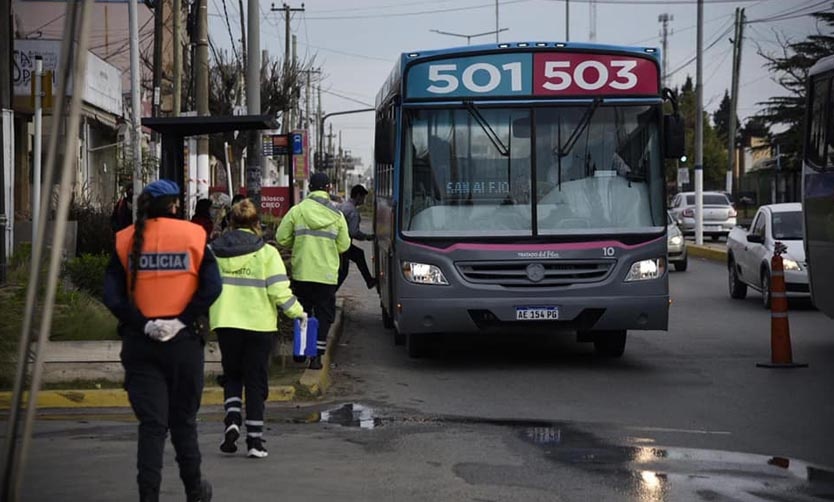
(356, 42)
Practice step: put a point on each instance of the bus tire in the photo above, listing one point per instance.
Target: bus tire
(416, 345)
(399, 338)
(387, 320)
(610, 343)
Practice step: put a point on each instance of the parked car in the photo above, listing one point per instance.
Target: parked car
(676, 245)
(719, 214)
(749, 253)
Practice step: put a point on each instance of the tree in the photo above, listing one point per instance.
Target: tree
(226, 90)
(715, 151)
(721, 118)
(785, 114)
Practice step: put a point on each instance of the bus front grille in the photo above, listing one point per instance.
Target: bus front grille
(552, 273)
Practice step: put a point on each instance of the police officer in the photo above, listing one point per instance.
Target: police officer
(245, 318)
(317, 232)
(160, 279)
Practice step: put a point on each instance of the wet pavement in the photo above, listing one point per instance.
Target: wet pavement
(683, 416)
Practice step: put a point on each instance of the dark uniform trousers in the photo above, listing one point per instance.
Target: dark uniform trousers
(319, 301)
(164, 382)
(245, 363)
(356, 255)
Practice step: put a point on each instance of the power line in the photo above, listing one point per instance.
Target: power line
(710, 46)
(416, 13)
(352, 54)
(791, 15)
(347, 98)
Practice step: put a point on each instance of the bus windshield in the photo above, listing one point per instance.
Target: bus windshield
(470, 172)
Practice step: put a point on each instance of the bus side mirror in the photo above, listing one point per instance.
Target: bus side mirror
(674, 136)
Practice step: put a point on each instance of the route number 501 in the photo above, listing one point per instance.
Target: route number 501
(559, 79)
(447, 75)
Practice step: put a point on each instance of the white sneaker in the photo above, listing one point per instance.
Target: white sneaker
(232, 433)
(256, 448)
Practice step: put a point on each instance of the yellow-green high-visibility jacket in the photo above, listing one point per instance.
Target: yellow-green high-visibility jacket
(317, 232)
(255, 284)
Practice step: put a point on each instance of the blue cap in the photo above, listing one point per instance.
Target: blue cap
(161, 188)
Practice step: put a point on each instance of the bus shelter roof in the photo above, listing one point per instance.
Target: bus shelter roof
(195, 126)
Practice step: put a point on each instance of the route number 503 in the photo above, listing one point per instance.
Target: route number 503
(560, 77)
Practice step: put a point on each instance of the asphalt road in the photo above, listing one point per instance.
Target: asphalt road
(684, 415)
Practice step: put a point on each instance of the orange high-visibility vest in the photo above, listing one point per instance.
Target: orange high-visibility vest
(169, 265)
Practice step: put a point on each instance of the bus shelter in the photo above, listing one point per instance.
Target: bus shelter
(174, 130)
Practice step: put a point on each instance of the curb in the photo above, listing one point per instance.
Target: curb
(316, 382)
(313, 382)
(707, 252)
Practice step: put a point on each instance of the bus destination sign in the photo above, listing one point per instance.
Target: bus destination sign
(537, 74)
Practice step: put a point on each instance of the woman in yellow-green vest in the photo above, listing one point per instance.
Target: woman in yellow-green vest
(245, 317)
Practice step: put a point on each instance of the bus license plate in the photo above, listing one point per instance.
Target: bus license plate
(536, 313)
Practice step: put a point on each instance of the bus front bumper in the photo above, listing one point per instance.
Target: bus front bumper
(473, 315)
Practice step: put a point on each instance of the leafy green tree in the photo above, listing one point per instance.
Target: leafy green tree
(784, 114)
(721, 118)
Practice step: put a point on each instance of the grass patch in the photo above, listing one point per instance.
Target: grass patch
(84, 384)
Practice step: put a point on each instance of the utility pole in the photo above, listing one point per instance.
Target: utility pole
(136, 110)
(699, 129)
(37, 148)
(201, 95)
(738, 37)
(177, 43)
(592, 15)
(158, 28)
(288, 64)
(567, 20)
(296, 111)
(253, 102)
(664, 40)
(6, 118)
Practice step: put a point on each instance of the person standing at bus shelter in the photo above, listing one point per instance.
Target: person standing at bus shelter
(317, 233)
(255, 284)
(355, 254)
(160, 279)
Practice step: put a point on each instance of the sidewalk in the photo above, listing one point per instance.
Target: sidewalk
(311, 383)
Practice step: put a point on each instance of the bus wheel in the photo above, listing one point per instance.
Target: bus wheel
(416, 344)
(387, 320)
(610, 343)
(399, 338)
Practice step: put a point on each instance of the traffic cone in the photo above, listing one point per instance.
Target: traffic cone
(781, 355)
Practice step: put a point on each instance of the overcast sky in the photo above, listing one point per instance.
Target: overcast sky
(356, 42)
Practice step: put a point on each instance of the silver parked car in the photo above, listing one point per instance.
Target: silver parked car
(719, 214)
(676, 245)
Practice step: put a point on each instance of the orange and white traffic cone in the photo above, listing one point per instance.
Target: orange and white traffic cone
(780, 329)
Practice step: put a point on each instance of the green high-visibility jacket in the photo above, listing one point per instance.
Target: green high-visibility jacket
(317, 232)
(255, 284)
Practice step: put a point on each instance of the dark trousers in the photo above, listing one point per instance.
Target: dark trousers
(319, 301)
(164, 382)
(245, 360)
(356, 255)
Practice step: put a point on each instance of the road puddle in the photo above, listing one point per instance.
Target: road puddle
(351, 415)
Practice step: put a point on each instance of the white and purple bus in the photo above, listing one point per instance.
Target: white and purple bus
(818, 184)
(519, 188)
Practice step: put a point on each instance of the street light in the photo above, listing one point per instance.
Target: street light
(470, 37)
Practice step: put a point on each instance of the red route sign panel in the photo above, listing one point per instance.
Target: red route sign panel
(576, 74)
(275, 200)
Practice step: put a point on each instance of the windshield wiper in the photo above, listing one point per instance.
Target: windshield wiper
(503, 150)
(563, 151)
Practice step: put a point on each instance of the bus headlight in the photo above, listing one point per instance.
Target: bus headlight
(789, 264)
(423, 273)
(646, 269)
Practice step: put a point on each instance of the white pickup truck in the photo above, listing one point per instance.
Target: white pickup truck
(749, 252)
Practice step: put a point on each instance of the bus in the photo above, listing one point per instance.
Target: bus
(818, 184)
(519, 188)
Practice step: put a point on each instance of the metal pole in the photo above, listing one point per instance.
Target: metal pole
(496, 22)
(731, 136)
(136, 111)
(6, 160)
(567, 20)
(202, 97)
(177, 57)
(253, 101)
(37, 150)
(699, 130)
